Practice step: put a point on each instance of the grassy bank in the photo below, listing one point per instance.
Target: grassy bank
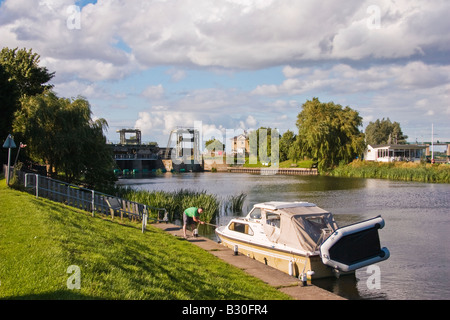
(40, 239)
(406, 171)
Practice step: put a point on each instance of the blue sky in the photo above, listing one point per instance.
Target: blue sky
(241, 64)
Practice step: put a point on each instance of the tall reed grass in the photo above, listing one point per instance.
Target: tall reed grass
(406, 171)
(175, 202)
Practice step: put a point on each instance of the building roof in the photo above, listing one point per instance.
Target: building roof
(398, 146)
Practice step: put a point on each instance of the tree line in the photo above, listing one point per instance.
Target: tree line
(329, 134)
(58, 132)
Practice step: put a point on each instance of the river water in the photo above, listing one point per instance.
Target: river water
(417, 230)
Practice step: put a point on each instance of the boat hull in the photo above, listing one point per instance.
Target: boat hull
(285, 261)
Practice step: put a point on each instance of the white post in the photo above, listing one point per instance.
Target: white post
(93, 202)
(37, 186)
(9, 167)
(432, 143)
(144, 219)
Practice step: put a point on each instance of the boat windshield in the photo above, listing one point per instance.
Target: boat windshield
(255, 214)
(317, 222)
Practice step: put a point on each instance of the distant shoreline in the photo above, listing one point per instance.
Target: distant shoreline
(403, 171)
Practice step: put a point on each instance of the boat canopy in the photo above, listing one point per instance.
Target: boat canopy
(300, 225)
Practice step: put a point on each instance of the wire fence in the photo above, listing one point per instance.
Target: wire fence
(89, 200)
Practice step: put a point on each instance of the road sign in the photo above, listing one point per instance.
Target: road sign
(9, 142)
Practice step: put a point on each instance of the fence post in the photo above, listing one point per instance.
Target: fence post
(93, 202)
(37, 186)
(144, 219)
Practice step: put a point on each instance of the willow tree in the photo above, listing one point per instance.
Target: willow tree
(329, 133)
(20, 74)
(60, 133)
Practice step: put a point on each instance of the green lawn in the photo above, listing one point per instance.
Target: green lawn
(40, 240)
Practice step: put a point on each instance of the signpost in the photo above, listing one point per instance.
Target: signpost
(10, 144)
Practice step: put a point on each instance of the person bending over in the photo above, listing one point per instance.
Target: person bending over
(191, 216)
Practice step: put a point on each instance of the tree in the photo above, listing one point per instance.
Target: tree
(20, 74)
(214, 145)
(286, 142)
(23, 69)
(260, 143)
(384, 132)
(8, 103)
(329, 133)
(60, 133)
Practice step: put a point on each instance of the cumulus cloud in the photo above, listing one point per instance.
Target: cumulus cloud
(343, 78)
(373, 54)
(224, 33)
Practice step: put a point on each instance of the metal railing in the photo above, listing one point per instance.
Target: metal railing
(90, 200)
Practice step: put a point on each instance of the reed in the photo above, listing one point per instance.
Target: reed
(175, 202)
(405, 171)
(234, 203)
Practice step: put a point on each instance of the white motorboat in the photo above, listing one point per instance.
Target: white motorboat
(301, 239)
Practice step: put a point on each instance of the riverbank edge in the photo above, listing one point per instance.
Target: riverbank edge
(397, 171)
(274, 170)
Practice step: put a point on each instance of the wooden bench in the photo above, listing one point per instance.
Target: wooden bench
(116, 206)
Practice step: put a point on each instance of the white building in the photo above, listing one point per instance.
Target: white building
(398, 152)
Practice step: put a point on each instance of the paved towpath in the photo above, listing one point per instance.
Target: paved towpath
(276, 278)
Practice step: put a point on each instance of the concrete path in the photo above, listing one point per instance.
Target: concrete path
(276, 278)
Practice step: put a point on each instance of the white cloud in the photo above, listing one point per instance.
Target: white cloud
(153, 92)
(251, 122)
(224, 33)
(342, 78)
(177, 74)
(324, 49)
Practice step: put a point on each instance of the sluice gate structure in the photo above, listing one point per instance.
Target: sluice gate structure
(133, 156)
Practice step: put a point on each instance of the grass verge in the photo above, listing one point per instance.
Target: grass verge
(40, 240)
(406, 171)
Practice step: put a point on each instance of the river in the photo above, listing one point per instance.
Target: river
(417, 231)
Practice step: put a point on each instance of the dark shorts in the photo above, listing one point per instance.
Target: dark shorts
(187, 220)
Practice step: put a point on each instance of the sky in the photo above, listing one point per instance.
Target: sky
(236, 65)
